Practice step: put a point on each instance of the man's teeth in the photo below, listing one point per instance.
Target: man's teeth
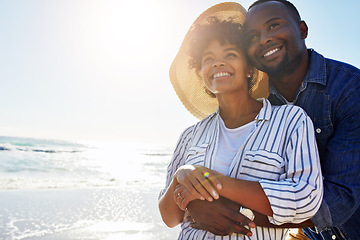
(221, 74)
(271, 52)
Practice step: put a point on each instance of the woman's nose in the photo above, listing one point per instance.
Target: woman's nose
(218, 64)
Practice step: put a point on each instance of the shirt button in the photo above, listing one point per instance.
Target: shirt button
(318, 130)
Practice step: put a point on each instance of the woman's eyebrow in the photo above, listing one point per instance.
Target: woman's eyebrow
(225, 50)
(206, 53)
(231, 49)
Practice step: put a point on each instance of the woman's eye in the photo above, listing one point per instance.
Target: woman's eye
(231, 55)
(207, 59)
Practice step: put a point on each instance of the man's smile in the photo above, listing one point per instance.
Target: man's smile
(271, 52)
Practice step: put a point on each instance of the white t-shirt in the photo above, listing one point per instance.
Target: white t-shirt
(230, 141)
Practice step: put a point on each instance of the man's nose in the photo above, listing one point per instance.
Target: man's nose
(265, 38)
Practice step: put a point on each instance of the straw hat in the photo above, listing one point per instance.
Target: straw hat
(188, 85)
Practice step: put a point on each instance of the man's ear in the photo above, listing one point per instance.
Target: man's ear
(303, 29)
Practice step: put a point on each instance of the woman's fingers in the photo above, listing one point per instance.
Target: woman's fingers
(185, 201)
(210, 182)
(213, 178)
(200, 181)
(179, 197)
(182, 197)
(201, 189)
(204, 181)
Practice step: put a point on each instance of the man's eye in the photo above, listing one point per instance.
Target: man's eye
(252, 38)
(272, 26)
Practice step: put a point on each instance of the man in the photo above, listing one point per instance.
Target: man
(329, 91)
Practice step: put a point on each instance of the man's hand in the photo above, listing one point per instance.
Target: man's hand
(220, 217)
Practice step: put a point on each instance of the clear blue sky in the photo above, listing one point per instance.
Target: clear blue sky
(98, 69)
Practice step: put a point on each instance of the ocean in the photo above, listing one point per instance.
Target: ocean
(53, 189)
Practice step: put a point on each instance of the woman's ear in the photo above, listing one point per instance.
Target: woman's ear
(250, 71)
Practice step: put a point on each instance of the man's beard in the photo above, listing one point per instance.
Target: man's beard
(284, 67)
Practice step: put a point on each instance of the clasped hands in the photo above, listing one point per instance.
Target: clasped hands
(196, 182)
(218, 215)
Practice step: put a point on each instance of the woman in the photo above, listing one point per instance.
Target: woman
(261, 156)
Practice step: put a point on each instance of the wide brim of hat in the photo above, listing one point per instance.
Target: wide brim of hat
(188, 85)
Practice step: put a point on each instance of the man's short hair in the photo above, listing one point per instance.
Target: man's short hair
(287, 4)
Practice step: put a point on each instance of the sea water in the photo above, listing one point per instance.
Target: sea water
(27, 163)
(53, 189)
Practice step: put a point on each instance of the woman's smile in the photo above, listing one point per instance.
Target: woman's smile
(221, 75)
(224, 68)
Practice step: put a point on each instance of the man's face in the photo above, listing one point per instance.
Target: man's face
(275, 41)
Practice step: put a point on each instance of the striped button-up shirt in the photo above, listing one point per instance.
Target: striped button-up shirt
(280, 153)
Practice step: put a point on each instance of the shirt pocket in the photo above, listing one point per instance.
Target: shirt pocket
(261, 164)
(196, 154)
(320, 113)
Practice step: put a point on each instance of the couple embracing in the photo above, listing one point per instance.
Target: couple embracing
(281, 147)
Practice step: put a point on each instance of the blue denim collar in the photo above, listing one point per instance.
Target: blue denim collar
(313, 75)
(317, 61)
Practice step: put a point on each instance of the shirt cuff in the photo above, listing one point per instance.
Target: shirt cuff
(322, 219)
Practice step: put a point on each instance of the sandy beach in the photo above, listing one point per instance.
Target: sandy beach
(94, 214)
(64, 190)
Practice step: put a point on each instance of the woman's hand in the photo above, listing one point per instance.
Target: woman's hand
(182, 197)
(200, 181)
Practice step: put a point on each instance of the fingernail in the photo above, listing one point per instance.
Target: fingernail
(219, 186)
(216, 196)
(202, 198)
(210, 199)
(252, 225)
(249, 234)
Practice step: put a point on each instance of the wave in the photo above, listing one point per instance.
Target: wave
(40, 163)
(39, 145)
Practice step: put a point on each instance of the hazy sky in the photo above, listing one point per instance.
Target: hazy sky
(98, 69)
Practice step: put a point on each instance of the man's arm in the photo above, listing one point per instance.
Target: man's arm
(341, 163)
(221, 217)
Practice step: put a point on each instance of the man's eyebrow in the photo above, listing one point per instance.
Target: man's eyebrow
(271, 19)
(246, 27)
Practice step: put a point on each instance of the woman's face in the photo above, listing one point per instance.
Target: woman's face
(224, 68)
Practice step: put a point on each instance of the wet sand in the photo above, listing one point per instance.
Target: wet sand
(90, 214)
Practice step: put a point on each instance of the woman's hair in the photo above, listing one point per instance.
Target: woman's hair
(222, 31)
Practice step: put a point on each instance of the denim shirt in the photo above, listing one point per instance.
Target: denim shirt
(330, 94)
